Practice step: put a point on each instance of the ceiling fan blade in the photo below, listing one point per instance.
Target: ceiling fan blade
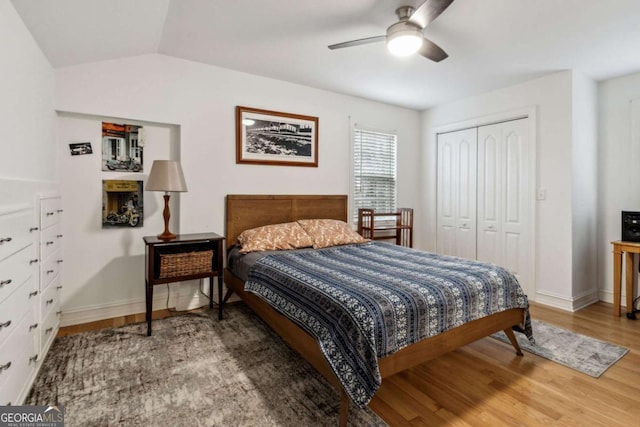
(432, 51)
(358, 42)
(428, 11)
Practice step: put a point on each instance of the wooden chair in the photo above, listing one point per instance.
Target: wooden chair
(401, 231)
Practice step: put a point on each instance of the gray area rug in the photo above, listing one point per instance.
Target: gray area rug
(193, 371)
(580, 352)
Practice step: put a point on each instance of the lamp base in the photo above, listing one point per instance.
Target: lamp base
(166, 236)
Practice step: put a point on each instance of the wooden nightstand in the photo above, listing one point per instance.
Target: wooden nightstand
(187, 257)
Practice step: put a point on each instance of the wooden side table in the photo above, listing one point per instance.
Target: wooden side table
(629, 248)
(187, 257)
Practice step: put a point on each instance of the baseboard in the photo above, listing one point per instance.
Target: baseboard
(568, 304)
(184, 296)
(97, 312)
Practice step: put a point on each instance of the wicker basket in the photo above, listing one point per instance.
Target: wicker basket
(185, 264)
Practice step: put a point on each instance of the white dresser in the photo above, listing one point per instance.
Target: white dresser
(19, 303)
(50, 212)
(30, 287)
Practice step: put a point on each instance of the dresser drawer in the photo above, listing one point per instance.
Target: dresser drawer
(50, 300)
(13, 309)
(18, 360)
(49, 270)
(48, 330)
(50, 211)
(17, 230)
(15, 270)
(50, 242)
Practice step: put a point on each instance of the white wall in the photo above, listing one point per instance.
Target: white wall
(106, 262)
(585, 190)
(201, 100)
(619, 169)
(552, 98)
(27, 165)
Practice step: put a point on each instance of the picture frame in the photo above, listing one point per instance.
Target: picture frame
(122, 147)
(80, 148)
(122, 203)
(267, 137)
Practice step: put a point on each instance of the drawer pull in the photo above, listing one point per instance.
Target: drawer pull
(58, 235)
(5, 239)
(58, 313)
(50, 213)
(48, 330)
(5, 366)
(5, 324)
(5, 282)
(33, 294)
(49, 243)
(59, 287)
(60, 211)
(49, 301)
(33, 261)
(32, 229)
(59, 261)
(31, 327)
(50, 271)
(33, 358)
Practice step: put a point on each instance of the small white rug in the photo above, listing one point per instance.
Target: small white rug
(580, 352)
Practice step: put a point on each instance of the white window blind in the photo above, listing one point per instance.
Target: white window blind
(374, 180)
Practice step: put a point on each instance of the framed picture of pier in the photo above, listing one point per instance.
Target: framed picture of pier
(273, 138)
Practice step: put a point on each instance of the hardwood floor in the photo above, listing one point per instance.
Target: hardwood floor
(486, 384)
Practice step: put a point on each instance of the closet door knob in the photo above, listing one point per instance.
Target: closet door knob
(5, 239)
(5, 282)
(31, 327)
(32, 229)
(5, 324)
(5, 366)
(33, 294)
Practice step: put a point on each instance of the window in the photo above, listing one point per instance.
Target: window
(374, 171)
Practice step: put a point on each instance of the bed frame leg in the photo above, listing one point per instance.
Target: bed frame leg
(344, 409)
(513, 340)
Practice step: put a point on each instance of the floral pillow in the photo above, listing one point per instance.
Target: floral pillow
(274, 237)
(330, 232)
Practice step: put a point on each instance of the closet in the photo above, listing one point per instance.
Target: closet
(484, 181)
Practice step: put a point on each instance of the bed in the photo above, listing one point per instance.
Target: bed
(244, 212)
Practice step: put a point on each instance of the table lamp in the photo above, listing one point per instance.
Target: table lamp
(167, 176)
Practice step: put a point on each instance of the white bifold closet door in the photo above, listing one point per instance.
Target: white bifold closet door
(483, 189)
(456, 207)
(503, 191)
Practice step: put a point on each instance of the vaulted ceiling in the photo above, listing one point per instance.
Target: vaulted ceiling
(491, 43)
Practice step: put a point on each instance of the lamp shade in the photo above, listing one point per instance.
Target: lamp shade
(166, 175)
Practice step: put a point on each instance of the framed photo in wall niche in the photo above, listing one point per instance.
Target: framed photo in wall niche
(273, 138)
(122, 203)
(122, 147)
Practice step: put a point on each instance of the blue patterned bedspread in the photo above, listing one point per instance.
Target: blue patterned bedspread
(363, 302)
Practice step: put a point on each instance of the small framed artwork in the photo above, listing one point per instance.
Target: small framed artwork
(273, 138)
(122, 147)
(80, 148)
(122, 204)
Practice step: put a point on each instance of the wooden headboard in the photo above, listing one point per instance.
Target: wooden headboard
(249, 211)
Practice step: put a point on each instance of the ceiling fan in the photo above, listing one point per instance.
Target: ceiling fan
(406, 36)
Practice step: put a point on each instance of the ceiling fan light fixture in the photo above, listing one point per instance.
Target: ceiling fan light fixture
(404, 39)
